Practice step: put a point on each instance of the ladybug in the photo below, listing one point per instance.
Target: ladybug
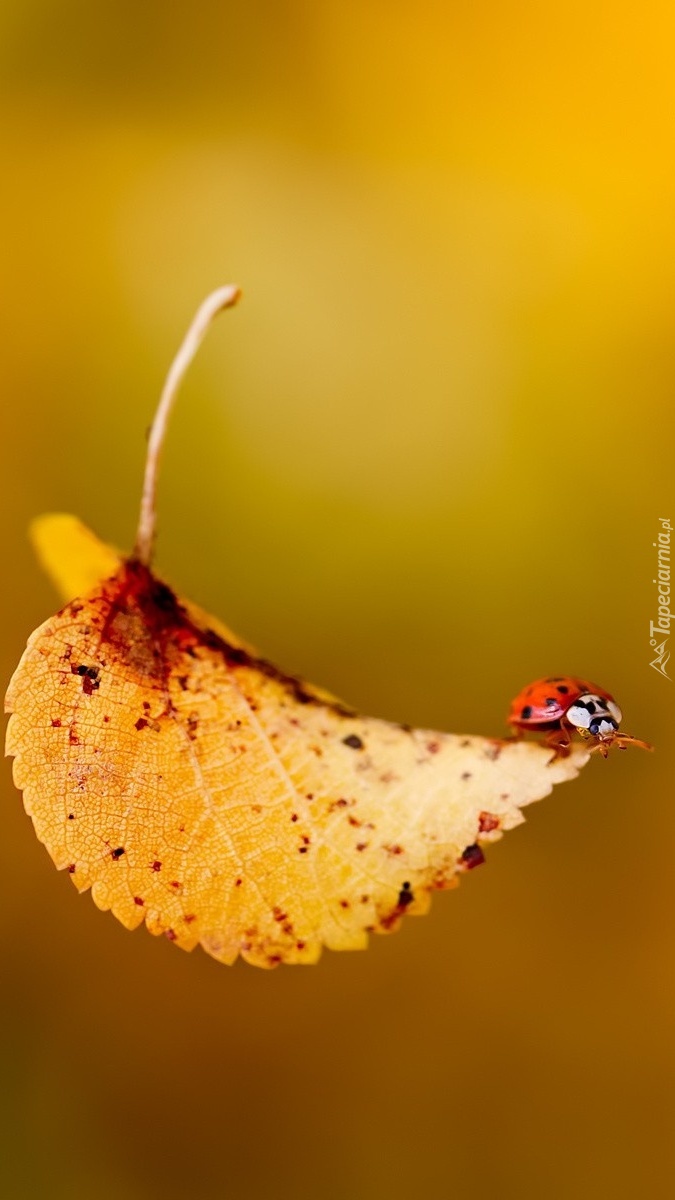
(564, 704)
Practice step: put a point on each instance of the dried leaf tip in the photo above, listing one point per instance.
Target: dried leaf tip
(223, 297)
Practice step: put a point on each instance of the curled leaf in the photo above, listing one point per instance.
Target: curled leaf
(192, 785)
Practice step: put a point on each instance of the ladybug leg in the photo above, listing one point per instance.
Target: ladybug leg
(623, 740)
(602, 747)
(559, 741)
(592, 743)
(620, 740)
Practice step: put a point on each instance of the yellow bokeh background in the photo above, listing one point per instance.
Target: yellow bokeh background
(422, 464)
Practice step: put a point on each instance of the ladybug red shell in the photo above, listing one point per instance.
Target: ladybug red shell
(564, 704)
(546, 701)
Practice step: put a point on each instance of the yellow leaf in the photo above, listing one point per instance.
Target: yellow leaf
(71, 554)
(194, 786)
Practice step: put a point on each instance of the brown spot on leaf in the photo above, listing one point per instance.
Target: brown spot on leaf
(88, 675)
(487, 822)
(472, 857)
(392, 919)
(354, 741)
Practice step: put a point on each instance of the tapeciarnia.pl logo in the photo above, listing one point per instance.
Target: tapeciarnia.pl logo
(662, 581)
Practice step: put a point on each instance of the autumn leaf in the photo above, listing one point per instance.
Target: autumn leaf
(193, 786)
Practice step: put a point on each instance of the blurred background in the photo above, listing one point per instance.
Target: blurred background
(422, 464)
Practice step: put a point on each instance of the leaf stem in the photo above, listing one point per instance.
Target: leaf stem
(223, 297)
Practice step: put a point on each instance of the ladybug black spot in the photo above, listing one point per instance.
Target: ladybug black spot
(526, 712)
(562, 689)
(551, 701)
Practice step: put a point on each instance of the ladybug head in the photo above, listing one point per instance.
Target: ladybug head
(597, 716)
